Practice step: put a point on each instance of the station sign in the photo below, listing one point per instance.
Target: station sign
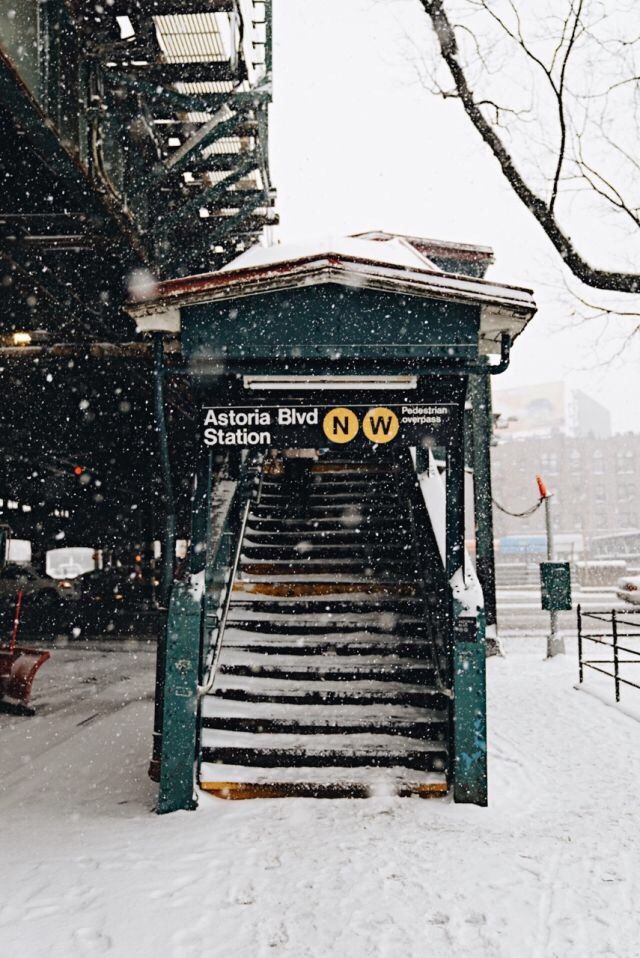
(316, 426)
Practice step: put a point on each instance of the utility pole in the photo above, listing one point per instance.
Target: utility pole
(555, 641)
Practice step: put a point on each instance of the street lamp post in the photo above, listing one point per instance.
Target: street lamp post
(555, 641)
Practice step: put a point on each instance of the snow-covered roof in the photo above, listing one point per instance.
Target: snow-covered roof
(391, 251)
(438, 248)
(390, 264)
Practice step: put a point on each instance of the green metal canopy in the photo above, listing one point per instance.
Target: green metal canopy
(379, 302)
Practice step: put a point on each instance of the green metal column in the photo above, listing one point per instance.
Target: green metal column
(470, 711)
(184, 634)
(468, 650)
(184, 623)
(169, 537)
(168, 547)
(482, 430)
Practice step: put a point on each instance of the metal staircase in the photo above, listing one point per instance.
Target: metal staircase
(331, 667)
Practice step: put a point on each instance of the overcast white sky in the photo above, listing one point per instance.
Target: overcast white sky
(357, 143)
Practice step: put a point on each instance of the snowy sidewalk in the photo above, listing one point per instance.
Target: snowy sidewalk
(551, 868)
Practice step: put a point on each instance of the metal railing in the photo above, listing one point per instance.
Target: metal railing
(207, 685)
(613, 625)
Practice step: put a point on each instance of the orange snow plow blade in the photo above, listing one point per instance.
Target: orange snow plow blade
(18, 667)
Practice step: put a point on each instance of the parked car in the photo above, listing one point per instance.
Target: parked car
(628, 589)
(15, 578)
(116, 587)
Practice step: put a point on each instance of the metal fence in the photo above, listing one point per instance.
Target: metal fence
(614, 635)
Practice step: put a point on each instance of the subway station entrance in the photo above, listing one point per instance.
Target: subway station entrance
(327, 633)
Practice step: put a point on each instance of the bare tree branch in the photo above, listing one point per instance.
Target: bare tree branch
(543, 212)
(609, 192)
(559, 90)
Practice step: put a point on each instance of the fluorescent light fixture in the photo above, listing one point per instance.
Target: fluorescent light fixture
(330, 382)
(126, 28)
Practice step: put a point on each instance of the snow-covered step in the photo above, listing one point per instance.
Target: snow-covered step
(352, 672)
(365, 744)
(312, 605)
(346, 538)
(308, 548)
(326, 676)
(365, 507)
(325, 625)
(324, 664)
(349, 469)
(358, 483)
(218, 708)
(366, 691)
(342, 649)
(286, 523)
(329, 498)
(380, 619)
(330, 694)
(289, 594)
(257, 587)
(341, 563)
(322, 750)
(367, 568)
(321, 720)
(237, 782)
(385, 643)
(310, 576)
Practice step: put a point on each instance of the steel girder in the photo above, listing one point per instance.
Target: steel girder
(146, 99)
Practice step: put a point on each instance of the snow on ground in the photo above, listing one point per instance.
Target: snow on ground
(550, 870)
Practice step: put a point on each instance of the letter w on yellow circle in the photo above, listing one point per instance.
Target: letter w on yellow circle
(380, 424)
(340, 424)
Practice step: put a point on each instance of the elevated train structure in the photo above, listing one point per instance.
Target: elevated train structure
(325, 634)
(134, 145)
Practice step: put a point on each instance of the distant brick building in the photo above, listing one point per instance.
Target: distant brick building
(596, 483)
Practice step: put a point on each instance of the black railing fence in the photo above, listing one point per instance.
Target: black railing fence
(614, 633)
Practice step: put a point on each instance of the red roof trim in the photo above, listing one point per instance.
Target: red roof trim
(230, 277)
(248, 276)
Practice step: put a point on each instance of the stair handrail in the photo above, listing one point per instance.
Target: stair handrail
(259, 495)
(417, 503)
(208, 685)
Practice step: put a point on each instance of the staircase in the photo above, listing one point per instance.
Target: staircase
(332, 677)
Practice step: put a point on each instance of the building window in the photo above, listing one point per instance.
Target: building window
(599, 493)
(549, 463)
(625, 491)
(598, 462)
(627, 520)
(625, 461)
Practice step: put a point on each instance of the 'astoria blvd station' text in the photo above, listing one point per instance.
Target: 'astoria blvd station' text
(317, 426)
(245, 424)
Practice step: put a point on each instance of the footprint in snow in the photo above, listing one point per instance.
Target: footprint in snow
(90, 941)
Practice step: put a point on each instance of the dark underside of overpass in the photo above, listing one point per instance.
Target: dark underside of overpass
(133, 147)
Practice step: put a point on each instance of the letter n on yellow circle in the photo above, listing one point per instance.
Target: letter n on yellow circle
(340, 424)
(380, 424)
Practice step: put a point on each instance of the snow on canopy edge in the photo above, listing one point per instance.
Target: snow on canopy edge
(394, 251)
